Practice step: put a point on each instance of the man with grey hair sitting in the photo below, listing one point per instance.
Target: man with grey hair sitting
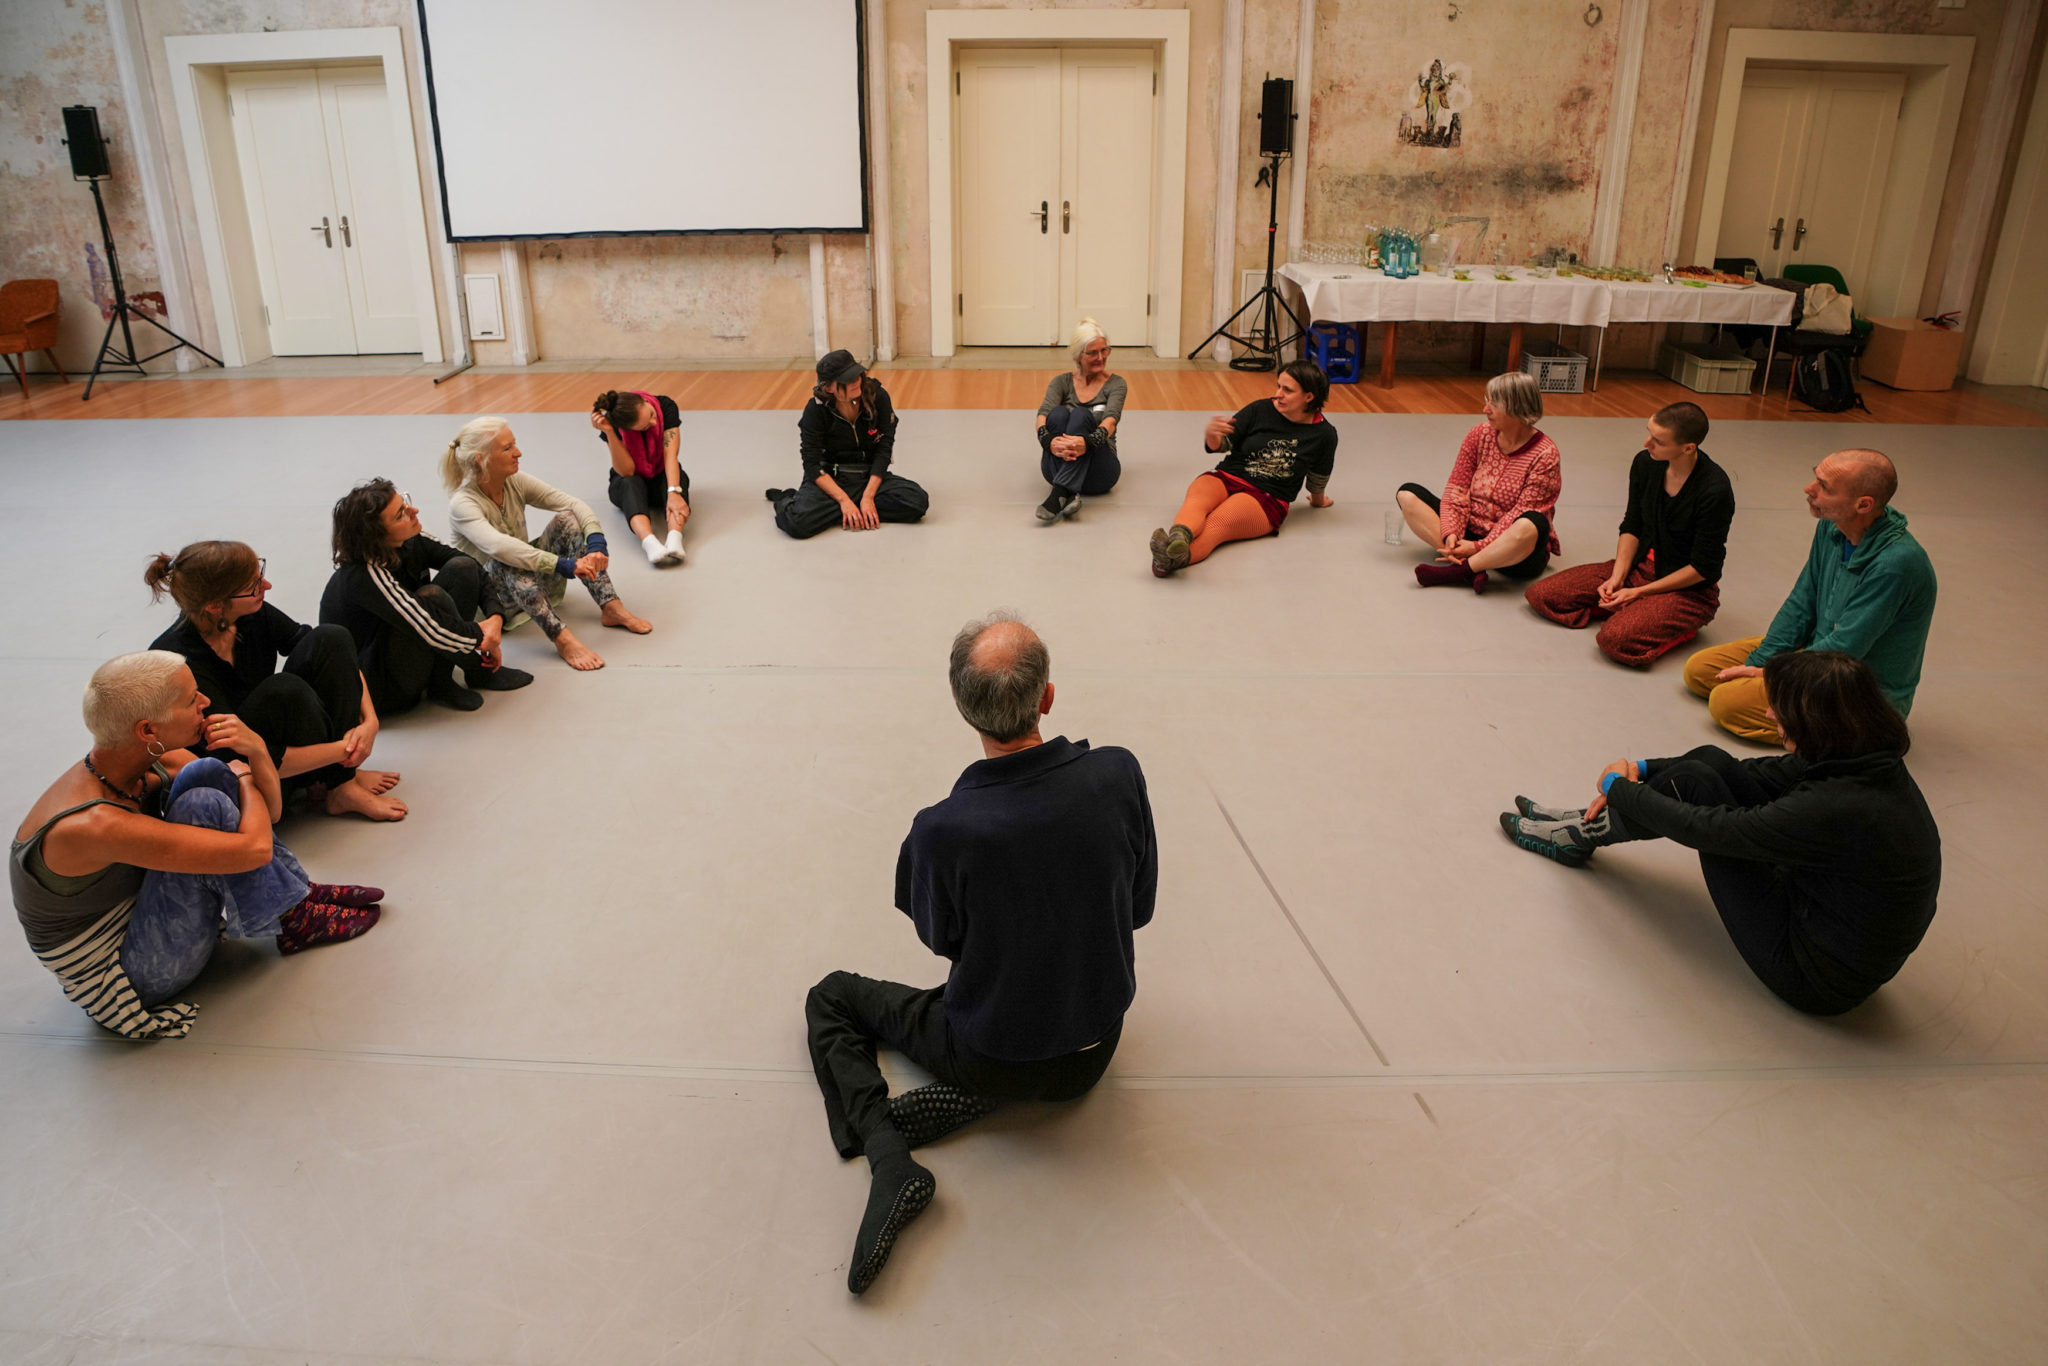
(1030, 878)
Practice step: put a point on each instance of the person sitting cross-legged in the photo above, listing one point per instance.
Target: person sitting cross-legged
(1498, 508)
(1030, 878)
(1662, 585)
(1867, 589)
(1824, 863)
(846, 437)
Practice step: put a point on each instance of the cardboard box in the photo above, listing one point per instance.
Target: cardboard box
(1906, 353)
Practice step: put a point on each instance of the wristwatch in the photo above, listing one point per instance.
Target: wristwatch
(675, 488)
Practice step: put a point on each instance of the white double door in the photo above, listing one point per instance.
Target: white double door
(320, 177)
(1807, 176)
(1054, 178)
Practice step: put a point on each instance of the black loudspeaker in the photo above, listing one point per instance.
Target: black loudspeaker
(1276, 118)
(82, 136)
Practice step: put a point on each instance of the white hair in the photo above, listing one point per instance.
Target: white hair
(144, 686)
(462, 462)
(1085, 331)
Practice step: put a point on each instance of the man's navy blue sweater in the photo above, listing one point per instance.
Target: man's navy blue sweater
(1031, 877)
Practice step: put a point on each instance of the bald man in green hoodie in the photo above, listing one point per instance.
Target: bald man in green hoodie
(1867, 590)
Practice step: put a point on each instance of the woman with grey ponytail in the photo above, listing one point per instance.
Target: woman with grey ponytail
(488, 499)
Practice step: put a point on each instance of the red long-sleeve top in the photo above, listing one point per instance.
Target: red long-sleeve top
(1489, 488)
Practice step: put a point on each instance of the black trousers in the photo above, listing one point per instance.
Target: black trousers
(810, 510)
(849, 1015)
(1092, 473)
(1754, 902)
(1530, 566)
(315, 699)
(399, 665)
(646, 495)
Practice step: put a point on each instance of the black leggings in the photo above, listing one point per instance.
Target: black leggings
(1093, 472)
(399, 665)
(1530, 566)
(646, 495)
(848, 1015)
(1754, 902)
(809, 509)
(315, 699)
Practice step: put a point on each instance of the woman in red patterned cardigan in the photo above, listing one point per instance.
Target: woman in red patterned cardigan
(1497, 510)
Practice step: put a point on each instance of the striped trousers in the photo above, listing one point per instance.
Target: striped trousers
(1636, 633)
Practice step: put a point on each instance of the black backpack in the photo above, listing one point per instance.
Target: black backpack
(1822, 382)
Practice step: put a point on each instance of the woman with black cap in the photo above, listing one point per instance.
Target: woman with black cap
(846, 435)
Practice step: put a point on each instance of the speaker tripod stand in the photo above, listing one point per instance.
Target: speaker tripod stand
(124, 358)
(1263, 343)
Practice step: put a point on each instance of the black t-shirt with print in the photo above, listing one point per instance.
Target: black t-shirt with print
(1276, 455)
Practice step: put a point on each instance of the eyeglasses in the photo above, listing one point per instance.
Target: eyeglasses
(405, 500)
(261, 565)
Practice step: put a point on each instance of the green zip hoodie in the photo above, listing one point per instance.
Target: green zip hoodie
(1876, 605)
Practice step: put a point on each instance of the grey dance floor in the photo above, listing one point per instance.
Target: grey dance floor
(1392, 1090)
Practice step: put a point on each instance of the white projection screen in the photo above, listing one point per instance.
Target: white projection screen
(635, 117)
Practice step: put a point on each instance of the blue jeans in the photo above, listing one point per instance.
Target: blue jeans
(178, 916)
(1091, 473)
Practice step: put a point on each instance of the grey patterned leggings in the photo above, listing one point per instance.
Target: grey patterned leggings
(509, 589)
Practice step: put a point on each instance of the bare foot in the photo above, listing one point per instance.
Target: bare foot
(353, 796)
(615, 614)
(576, 654)
(379, 781)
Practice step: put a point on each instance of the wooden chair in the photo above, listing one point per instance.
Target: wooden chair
(28, 322)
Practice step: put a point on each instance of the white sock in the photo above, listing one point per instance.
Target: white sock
(675, 545)
(656, 552)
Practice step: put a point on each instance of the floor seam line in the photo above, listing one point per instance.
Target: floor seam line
(1299, 933)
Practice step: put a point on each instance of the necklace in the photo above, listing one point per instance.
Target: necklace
(135, 796)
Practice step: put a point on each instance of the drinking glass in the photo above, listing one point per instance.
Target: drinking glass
(1395, 521)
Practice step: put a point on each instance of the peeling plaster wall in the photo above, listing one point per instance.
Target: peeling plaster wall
(53, 54)
(1536, 85)
(1535, 82)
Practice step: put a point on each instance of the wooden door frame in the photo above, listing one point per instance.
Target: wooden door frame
(1937, 72)
(1164, 30)
(199, 64)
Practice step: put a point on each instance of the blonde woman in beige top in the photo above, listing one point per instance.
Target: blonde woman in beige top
(527, 578)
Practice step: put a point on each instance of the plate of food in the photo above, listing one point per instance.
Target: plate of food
(1702, 276)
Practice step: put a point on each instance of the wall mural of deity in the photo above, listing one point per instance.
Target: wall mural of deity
(1438, 95)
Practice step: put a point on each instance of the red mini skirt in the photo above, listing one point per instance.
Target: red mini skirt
(1275, 510)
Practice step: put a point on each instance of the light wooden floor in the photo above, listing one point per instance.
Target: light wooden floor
(1622, 394)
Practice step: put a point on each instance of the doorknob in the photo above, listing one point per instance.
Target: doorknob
(1044, 213)
(1778, 233)
(346, 240)
(1066, 215)
(1799, 234)
(324, 231)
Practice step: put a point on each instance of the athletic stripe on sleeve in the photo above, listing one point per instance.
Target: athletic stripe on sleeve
(416, 615)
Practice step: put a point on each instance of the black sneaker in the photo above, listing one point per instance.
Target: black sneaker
(1560, 841)
(929, 1113)
(897, 1195)
(504, 678)
(776, 495)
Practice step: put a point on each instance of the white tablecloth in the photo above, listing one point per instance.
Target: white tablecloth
(1354, 294)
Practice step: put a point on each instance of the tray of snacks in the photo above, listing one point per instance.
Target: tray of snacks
(1699, 277)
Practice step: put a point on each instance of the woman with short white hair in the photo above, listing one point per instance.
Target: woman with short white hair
(1077, 426)
(527, 578)
(1498, 508)
(131, 867)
